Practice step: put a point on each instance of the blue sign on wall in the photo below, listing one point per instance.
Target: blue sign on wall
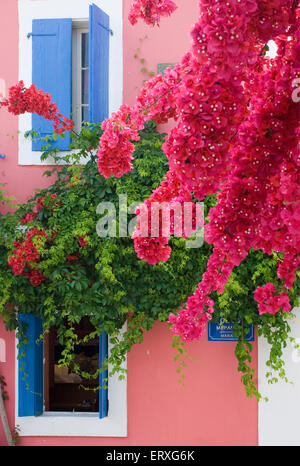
(223, 331)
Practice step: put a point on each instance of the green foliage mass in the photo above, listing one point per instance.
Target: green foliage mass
(107, 282)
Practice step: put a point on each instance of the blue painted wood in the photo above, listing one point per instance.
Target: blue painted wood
(103, 392)
(52, 73)
(30, 383)
(99, 65)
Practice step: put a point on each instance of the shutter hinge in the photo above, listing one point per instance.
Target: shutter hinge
(31, 34)
(107, 29)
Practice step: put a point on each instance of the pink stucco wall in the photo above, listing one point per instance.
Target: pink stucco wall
(212, 408)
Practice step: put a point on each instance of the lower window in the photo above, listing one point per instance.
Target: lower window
(51, 401)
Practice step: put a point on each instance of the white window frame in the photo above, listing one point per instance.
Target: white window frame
(78, 28)
(71, 424)
(78, 11)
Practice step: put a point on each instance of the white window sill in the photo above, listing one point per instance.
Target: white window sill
(75, 424)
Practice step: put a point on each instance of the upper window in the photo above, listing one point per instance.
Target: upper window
(75, 49)
(72, 64)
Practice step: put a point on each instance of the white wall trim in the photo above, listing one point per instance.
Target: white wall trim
(79, 424)
(77, 10)
(279, 418)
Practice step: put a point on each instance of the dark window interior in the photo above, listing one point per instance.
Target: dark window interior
(65, 390)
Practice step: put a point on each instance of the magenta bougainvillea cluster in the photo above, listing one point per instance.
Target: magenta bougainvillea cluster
(236, 134)
(150, 10)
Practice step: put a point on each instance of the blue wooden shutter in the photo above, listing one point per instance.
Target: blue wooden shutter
(52, 72)
(103, 392)
(98, 64)
(31, 397)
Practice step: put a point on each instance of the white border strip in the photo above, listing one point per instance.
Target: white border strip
(279, 418)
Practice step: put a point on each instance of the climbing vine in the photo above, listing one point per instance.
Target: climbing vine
(138, 56)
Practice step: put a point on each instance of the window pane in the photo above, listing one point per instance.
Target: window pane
(85, 86)
(85, 50)
(85, 114)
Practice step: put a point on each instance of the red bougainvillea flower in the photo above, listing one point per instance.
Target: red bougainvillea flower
(25, 256)
(82, 240)
(32, 100)
(36, 278)
(71, 258)
(28, 218)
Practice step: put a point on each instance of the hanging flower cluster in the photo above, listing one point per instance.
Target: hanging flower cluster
(156, 102)
(236, 134)
(269, 302)
(153, 231)
(116, 148)
(32, 100)
(150, 10)
(258, 203)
